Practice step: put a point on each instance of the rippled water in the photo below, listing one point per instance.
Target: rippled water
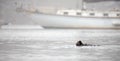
(59, 45)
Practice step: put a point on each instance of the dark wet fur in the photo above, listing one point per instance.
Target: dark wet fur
(79, 43)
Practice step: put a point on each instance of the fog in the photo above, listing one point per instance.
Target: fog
(9, 13)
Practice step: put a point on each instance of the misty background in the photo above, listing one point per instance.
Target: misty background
(30, 43)
(12, 11)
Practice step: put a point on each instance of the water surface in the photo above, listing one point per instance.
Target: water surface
(59, 45)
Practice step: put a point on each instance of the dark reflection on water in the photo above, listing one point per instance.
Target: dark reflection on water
(65, 50)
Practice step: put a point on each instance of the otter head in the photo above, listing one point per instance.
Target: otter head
(79, 43)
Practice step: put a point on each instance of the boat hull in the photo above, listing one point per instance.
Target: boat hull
(57, 21)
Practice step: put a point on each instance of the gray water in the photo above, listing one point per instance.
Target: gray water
(59, 45)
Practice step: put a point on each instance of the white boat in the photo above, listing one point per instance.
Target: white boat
(78, 19)
(74, 18)
(65, 17)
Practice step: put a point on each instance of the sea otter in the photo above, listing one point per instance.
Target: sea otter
(79, 43)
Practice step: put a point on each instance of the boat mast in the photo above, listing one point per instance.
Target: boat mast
(82, 4)
(77, 4)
